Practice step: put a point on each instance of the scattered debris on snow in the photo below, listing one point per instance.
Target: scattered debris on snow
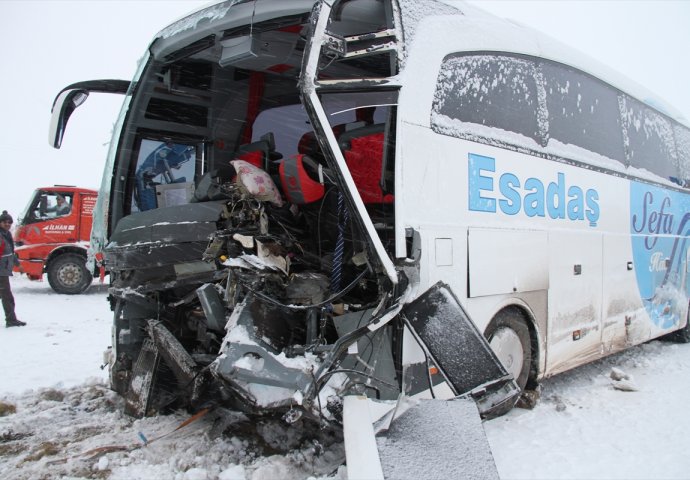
(558, 402)
(625, 385)
(529, 398)
(617, 374)
(578, 412)
(622, 381)
(81, 432)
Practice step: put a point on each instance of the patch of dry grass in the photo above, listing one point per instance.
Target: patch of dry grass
(7, 409)
(43, 450)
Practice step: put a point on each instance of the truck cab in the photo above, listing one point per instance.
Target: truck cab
(52, 237)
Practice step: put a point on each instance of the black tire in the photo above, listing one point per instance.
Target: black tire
(682, 335)
(509, 338)
(68, 274)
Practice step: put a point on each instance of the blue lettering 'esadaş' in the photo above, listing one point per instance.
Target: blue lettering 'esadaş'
(489, 189)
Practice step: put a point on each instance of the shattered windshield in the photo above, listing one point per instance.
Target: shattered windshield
(251, 214)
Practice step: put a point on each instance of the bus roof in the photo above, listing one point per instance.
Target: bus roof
(457, 23)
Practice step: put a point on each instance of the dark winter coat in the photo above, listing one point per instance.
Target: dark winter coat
(9, 259)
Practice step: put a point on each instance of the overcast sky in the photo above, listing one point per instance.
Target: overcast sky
(48, 44)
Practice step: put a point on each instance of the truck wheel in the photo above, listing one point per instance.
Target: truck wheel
(68, 274)
(508, 336)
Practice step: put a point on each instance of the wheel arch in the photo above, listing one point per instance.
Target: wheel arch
(62, 250)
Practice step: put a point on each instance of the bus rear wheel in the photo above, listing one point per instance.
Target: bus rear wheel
(509, 338)
(68, 274)
(682, 335)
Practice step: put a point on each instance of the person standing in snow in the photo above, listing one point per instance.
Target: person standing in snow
(7, 262)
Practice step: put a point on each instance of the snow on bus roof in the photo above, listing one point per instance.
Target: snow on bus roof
(521, 38)
(480, 31)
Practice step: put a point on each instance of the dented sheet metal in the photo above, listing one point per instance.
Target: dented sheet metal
(460, 351)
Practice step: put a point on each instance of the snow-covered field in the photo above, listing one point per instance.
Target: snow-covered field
(59, 420)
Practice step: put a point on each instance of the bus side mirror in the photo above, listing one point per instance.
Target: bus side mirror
(65, 103)
(73, 96)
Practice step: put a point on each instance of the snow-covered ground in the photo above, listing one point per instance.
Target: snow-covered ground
(59, 420)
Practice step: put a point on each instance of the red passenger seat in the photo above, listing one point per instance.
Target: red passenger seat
(298, 185)
(309, 146)
(258, 153)
(363, 152)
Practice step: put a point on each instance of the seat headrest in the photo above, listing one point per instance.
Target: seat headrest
(297, 174)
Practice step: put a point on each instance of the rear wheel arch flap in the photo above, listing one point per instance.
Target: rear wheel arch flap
(55, 253)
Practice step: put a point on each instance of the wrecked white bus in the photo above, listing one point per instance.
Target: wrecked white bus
(308, 199)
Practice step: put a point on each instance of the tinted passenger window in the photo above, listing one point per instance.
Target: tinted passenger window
(683, 150)
(650, 142)
(488, 90)
(583, 111)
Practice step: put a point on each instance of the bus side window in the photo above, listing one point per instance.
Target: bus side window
(497, 92)
(583, 111)
(682, 136)
(651, 144)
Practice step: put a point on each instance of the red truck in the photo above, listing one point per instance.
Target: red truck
(53, 237)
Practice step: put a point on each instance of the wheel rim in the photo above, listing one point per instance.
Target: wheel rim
(506, 344)
(70, 275)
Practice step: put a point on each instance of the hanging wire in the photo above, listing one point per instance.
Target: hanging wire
(328, 301)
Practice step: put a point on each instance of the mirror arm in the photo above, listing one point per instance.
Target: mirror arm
(72, 97)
